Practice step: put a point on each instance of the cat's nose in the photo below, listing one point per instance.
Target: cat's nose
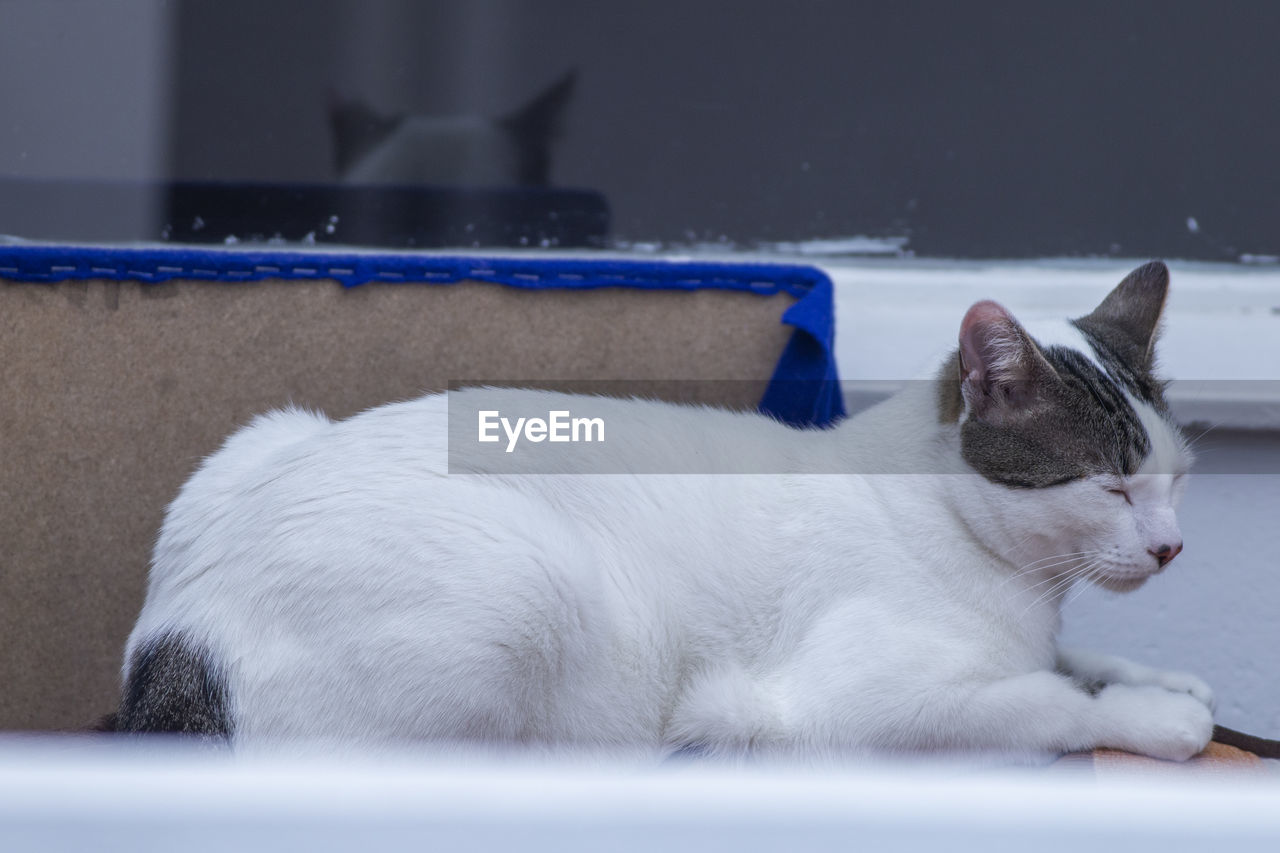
(1165, 553)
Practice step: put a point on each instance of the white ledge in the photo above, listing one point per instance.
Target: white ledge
(898, 319)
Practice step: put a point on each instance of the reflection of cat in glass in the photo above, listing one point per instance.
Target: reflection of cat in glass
(512, 150)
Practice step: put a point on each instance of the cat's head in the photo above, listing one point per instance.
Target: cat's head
(400, 148)
(1069, 426)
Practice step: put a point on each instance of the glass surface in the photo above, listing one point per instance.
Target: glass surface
(990, 129)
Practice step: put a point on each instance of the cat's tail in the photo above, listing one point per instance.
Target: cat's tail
(173, 687)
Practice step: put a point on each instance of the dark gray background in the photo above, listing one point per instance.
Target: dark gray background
(984, 129)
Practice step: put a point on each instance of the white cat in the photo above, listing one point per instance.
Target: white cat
(894, 587)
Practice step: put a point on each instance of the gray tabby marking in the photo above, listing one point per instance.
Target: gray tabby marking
(1055, 416)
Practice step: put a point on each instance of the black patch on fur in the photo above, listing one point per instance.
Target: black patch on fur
(174, 688)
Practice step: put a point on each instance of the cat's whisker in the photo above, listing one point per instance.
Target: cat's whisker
(1079, 591)
(1032, 568)
(1064, 583)
(1038, 565)
(1034, 563)
(1046, 595)
(1191, 443)
(1203, 450)
(1055, 578)
(1193, 446)
(1060, 582)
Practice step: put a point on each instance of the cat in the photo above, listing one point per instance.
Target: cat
(514, 150)
(367, 582)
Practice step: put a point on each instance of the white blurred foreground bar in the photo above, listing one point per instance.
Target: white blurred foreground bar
(75, 795)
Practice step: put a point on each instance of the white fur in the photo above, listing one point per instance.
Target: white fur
(1050, 333)
(351, 589)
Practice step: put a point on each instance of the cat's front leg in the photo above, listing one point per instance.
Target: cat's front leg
(1096, 671)
(1047, 712)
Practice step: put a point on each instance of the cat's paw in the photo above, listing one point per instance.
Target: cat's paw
(1185, 682)
(1156, 721)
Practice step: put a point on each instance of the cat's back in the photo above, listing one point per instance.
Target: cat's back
(295, 506)
(296, 484)
(291, 471)
(292, 444)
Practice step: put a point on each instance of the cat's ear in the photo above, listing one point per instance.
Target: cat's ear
(1128, 320)
(356, 129)
(1001, 370)
(537, 125)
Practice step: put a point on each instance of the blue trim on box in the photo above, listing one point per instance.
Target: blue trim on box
(804, 390)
